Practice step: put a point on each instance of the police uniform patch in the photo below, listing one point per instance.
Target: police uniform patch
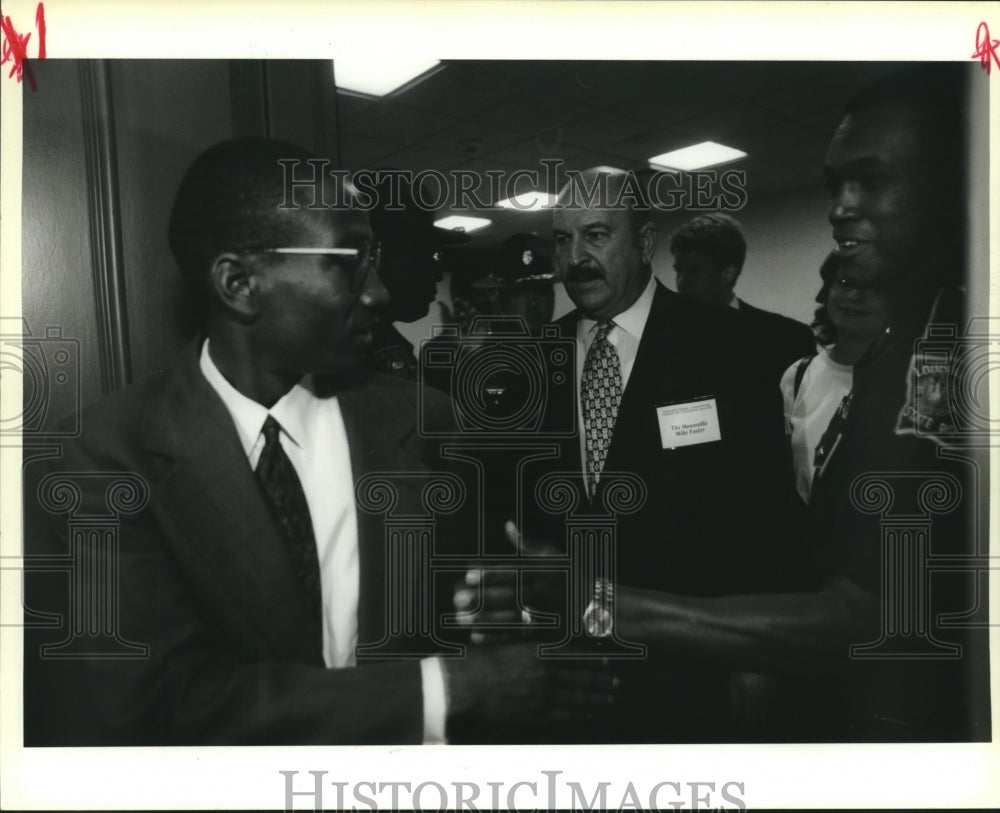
(927, 409)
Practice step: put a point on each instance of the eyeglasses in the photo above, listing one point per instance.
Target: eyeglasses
(359, 261)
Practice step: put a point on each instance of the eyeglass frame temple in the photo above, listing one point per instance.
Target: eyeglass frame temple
(375, 253)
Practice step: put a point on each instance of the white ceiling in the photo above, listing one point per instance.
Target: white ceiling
(507, 115)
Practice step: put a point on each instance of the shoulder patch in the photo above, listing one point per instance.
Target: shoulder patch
(927, 410)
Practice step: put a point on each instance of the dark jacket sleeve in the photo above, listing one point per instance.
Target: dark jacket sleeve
(135, 658)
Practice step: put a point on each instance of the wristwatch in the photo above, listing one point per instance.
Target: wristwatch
(599, 618)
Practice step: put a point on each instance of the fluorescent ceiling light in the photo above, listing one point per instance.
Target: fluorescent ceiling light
(697, 156)
(460, 223)
(374, 75)
(528, 201)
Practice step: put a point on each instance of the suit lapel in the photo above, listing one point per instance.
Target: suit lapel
(656, 378)
(211, 494)
(376, 427)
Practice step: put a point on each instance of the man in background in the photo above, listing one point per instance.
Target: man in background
(709, 251)
(411, 269)
(663, 402)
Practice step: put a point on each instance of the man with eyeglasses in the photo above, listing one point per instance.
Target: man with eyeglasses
(252, 576)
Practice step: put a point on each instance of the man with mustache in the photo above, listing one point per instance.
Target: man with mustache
(247, 581)
(664, 400)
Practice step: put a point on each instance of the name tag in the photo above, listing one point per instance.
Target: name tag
(689, 423)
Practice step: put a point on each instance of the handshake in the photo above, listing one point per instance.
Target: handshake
(504, 686)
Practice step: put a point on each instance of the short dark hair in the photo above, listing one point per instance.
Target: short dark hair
(229, 200)
(937, 91)
(718, 235)
(937, 94)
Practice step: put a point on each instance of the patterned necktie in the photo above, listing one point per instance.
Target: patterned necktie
(601, 390)
(287, 503)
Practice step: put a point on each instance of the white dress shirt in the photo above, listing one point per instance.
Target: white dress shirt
(624, 337)
(314, 438)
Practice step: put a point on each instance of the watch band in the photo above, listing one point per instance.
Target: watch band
(598, 618)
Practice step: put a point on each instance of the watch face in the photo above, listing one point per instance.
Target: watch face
(598, 621)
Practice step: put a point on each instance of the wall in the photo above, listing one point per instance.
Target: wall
(105, 146)
(787, 238)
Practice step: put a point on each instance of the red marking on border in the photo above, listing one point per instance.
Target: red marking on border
(986, 48)
(15, 47)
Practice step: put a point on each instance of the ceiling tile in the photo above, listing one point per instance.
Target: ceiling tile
(459, 90)
(653, 141)
(606, 84)
(605, 127)
(782, 135)
(419, 158)
(473, 138)
(508, 115)
(359, 152)
(725, 125)
(534, 72)
(754, 80)
(529, 152)
(535, 112)
(672, 104)
(349, 106)
(388, 117)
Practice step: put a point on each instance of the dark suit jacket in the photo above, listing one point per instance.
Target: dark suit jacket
(204, 580)
(712, 519)
(777, 340)
(704, 502)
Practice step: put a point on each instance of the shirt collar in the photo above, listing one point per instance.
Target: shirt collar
(734, 302)
(291, 410)
(633, 319)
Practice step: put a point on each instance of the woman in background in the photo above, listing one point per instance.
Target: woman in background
(817, 389)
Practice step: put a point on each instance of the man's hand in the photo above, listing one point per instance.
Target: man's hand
(489, 599)
(509, 686)
(492, 597)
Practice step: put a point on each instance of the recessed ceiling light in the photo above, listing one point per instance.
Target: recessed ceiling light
(528, 201)
(374, 75)
(697, 156)
(460, 223)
